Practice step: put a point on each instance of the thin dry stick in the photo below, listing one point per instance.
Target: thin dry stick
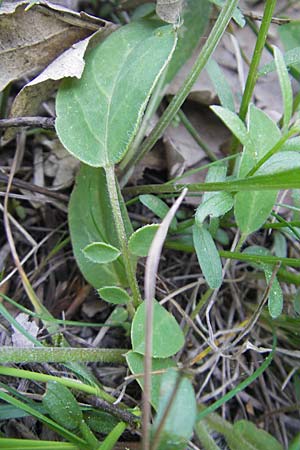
(41, 122)
(150, 283)
(39, 308)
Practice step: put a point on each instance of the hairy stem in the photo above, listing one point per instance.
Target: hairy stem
(121, 232)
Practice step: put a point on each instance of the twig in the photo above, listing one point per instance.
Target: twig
(34, 188)
(114, 410)
(41, 122)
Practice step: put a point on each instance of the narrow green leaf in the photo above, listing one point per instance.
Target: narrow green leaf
(114, 294)
(275, 299)
(101, 253)
(280, 162)
(286, 88)
(167, 337)
(291, 59)
(113, 437)
(290, 37)
(62, 406)
(90, 219)
(208, 256)
(214, 174)
(98, 115)
(140, 241)
(280, 244)
(195, 20)
(296, 301)
(221, 85)
(158, 207)
(237, 16)
(217, 205)
(260, 439)
(234, 123)
(135, 363)
(178, 426)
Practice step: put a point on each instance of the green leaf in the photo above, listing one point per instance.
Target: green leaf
(113, 437)
(214, 174)
(167, 337)
(217, 205)
(263, 134)
(114, 294)
(252, 209)
(100, 421)
(178, 426)
(158, 207)
(275, 299)
(281, 162)
(141, 240)
(62, 406)
(291, 59)
(90, 219)
(260, 439)
(195, 19)
(286, 88)
(234, 123)
(220, 83)
(135, 363)
(101, 253)
(238, 16)
(208, 256)
(290, 36)
(99, 115)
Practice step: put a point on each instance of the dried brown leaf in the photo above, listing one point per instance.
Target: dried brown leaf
(31, 39)
(70, 63)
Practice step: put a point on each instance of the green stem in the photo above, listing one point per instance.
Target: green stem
(252, 75)
(193, 132)
(44, 378)
(207, 50)
(121, 232)
(259, 46)
(61, 355)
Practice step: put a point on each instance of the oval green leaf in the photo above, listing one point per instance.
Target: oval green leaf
(135, 363)
(167, 337)
(62, 406)
(101, 253)
(90, 219)
(217, 205)
(141, 240)
(98, 115)
(114, 294)
(180, 420)
(208, 256)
